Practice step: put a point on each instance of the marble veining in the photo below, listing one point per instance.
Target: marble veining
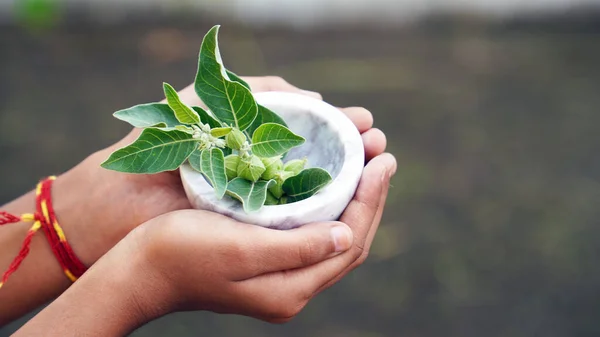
(332, 142)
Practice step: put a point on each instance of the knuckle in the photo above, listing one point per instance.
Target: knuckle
(276, 81)
(368, 201)
(363, 257)
(282, 311)
(359, 253)
(243, 258)
(306, 251)
(291, 311)
(284, 306)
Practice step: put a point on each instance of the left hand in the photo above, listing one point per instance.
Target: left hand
(116, 203)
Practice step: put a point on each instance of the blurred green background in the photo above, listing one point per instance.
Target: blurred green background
(492, 226)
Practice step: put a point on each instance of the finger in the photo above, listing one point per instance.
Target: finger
(272, 251)
(378, 215)
(276, 83)
(386, 186)
(374, 142)
(368, 241)
(361, 210)
(361, 117)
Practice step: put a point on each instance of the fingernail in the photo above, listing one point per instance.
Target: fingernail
(342, 238)
(312, 94)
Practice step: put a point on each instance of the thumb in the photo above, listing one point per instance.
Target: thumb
(304, 246)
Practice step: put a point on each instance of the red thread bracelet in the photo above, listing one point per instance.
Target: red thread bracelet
(45, 219)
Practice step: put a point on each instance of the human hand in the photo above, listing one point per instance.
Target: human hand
(198, 260)
(115, 203)
(211, 262)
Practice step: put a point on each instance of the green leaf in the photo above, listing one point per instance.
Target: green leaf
(148, 115)
(252, 195)
(236, 78)
(227, 151)
(213, 166)
(305, 184)
(206, 118)
(183, 113)
(264, 116)
(272, 139)
(220, 132)
(194, 160)
(154, 151)
(184, 128)
(231, 102)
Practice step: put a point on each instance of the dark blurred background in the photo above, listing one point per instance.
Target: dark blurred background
(493, 223)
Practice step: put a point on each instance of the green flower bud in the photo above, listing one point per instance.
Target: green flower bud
(231, 164)
(276, 190)
(272, 166)
(271, 200)
(280, 178)
(235, 139)
(295, 165)
(220, 132)
(251, 168)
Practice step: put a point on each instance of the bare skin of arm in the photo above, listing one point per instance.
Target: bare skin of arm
(97, 208)
(196, 260)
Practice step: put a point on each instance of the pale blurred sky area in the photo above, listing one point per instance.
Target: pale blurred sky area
(313, 12)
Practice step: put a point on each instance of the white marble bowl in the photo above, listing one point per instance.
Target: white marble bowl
(332, 143)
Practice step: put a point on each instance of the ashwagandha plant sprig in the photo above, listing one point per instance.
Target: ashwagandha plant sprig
(237, 144)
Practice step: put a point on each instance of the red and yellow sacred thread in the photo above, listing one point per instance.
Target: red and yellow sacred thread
(45, 219)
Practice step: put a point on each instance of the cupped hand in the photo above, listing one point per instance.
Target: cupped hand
(116, 203)
(198, 260)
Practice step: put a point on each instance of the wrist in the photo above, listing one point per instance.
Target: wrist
(150, 291)
(82, 202)
(142, 293)
(114, 297)
(72, 197)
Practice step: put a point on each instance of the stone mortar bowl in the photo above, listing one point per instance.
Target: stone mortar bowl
(332, 143)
